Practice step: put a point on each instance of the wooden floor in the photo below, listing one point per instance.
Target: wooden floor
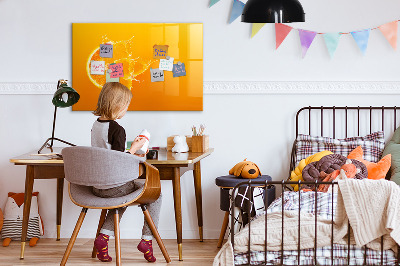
(50, 252)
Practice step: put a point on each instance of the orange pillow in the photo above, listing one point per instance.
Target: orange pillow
(375, 170)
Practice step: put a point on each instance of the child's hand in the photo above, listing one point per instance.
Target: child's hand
(137, 144)
(143, 155)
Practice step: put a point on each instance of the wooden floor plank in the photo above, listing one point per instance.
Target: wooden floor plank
(49, 252)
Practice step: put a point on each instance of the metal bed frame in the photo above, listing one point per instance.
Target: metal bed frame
(284, 184)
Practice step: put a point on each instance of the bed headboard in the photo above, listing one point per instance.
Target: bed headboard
(344, 121)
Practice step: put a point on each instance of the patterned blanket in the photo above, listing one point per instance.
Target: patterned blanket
(321, 205)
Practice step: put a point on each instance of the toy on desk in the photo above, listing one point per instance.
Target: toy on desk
(13, 216)
(144, 134)
(180, 144)
(245, 169)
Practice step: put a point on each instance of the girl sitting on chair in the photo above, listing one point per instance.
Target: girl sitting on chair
(112, 104)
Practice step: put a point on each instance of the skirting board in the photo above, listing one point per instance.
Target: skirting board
(246, 87)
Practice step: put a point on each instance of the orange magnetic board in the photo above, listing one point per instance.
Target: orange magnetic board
(140, 47)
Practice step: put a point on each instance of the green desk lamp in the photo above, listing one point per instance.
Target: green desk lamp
(64, 97)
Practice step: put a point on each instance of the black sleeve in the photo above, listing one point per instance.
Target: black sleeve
(116, 136)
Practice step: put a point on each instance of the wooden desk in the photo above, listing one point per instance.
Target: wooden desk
(171, 167)
(40, 167)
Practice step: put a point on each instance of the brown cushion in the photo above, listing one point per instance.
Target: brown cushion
(328, 164)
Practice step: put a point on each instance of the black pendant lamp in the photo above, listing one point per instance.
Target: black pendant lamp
(273, 11)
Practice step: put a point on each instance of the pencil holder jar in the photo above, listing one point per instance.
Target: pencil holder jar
(200, 143)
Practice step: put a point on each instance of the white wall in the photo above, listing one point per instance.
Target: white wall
(35, 39)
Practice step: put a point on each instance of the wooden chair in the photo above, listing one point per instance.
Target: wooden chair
(85, 167)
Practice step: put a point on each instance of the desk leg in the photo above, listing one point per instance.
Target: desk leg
(60, 190)
(176, 182)
(27, 206)
(199, 204)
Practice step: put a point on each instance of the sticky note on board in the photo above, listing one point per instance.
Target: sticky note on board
(156, 75)
(167, 64)
(110, 79)
(160, 51)
(106, 50)
(179, 70)
(117, 70)
(97, 67)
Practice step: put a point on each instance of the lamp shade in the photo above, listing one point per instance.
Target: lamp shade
(273, 11)
(65, 96)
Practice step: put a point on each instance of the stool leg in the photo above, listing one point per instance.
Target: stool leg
(223, 229)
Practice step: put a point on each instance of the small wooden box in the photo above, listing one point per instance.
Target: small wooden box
(171, 143)
(200, 143)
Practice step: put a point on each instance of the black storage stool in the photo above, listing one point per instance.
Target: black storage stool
(226, 183)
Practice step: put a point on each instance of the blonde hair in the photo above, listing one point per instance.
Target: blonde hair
(113, 97)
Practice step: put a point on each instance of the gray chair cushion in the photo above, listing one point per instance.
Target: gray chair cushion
(99, 167)
(84, 196)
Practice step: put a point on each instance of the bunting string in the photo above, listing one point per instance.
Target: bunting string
(361, 37)
(343, 33)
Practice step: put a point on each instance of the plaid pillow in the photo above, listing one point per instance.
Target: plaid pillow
(372, 145)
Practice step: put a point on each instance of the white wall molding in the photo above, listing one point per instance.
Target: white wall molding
(302, 87)
(246, 87)
(28, 88)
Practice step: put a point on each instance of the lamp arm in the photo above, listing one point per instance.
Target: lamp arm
(46, 143)
(54, 126)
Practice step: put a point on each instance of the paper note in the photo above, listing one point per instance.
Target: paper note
(110, 79)
(106, 50)
(167, 64)
(97, 67)
(179, 70)
(156, 75)
(160, 51)
(117, 70)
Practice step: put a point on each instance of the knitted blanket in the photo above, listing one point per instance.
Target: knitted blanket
(274, 235)
(371, 207)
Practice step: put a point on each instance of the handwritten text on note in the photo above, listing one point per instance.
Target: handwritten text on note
(179, 70)
(97, 67)
(167, 64)
(156, 75)
(160, 51)
(117, 70)
(106, 50)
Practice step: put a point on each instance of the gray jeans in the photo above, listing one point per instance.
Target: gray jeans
(154, 208)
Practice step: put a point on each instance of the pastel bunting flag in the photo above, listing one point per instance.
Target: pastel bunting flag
(213, 2)
(389, 30)
(237, 9)
(306, 39)
(332, 41)
(281, 31)
(256, 27)
(361, 37)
